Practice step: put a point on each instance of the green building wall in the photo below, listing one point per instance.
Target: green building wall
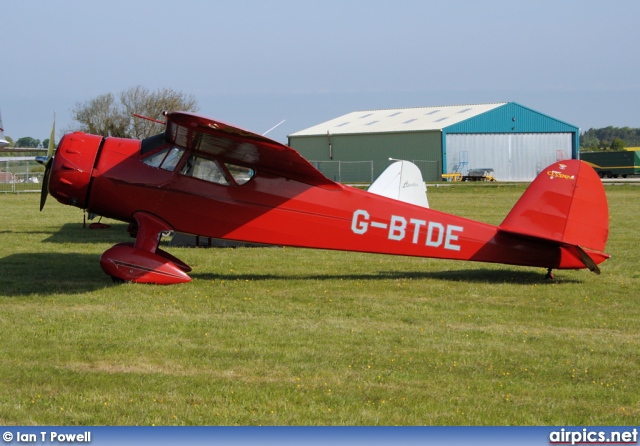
(376, 147)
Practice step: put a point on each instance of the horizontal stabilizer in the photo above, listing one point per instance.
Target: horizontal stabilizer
(585, 258)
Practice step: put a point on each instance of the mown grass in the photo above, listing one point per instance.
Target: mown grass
(277, 336)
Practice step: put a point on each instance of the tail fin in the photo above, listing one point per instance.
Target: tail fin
(402, 181)
(566, 203)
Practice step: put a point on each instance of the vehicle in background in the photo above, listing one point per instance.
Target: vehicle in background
(483, 174)
(613, 164)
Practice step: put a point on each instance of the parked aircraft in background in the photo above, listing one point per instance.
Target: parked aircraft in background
(3, 142)
(211, 179)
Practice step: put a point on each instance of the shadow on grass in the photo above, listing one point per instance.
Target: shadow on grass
(70, 273)
(466, 275)
(76, 233)
(51, 273)
(500, 276)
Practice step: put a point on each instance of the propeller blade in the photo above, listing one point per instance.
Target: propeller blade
(47, 162)
(45, 184)
(52, 138)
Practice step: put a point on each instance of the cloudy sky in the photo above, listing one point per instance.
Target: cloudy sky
(255, 63)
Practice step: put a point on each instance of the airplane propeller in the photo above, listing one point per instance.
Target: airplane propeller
(47, 161)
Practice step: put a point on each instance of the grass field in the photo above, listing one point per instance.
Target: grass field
(281, 336)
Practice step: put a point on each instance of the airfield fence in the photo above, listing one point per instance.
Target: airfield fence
(346, 171)
(24, 174)
(20, 174)
(361, 172)
(430, 169)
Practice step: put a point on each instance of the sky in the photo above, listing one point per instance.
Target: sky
(254, 63)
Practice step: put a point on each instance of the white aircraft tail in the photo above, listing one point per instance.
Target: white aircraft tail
(401, 181)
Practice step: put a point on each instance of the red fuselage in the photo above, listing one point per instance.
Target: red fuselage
(117, 178)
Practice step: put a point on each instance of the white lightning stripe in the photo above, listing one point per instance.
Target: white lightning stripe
(142, 268)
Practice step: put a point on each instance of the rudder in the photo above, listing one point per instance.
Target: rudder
(565, 203)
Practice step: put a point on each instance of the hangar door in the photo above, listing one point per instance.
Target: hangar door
(515, 156)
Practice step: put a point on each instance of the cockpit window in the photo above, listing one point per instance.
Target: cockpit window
(166, 159)
(156, 159)
(171, 161)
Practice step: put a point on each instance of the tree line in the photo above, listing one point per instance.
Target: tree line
(27, 141)
(609, 138)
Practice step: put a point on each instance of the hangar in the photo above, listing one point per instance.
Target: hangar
(515, 141)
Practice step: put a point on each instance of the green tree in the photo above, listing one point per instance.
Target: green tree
(45, 143)
(604, 137)
(27, 141)
(617, 144)
(589, 141)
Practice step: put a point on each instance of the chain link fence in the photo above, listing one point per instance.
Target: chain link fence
(361, 172)
(353, 172)
(431, 170)
(20, 174)
(24, 174)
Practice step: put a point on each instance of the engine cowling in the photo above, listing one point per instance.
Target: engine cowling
(72, 167)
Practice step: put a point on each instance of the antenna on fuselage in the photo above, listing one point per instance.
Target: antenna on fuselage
(273, 127)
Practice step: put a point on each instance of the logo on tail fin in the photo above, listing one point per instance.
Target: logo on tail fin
(555, 174)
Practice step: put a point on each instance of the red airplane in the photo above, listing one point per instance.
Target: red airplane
(207, 178)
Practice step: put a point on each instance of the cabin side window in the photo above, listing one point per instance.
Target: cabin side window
(240, 174)
(204, 169)
(210, 170)
(166, 159)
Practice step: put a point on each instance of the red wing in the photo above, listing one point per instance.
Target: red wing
(232, 144)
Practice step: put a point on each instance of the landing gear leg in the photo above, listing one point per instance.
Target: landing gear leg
(549, 275)
(143, 261)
